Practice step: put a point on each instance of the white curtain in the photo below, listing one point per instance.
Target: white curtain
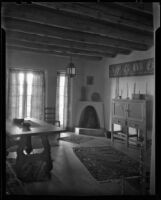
(13, 94)
(26, 94)
(38, 95)
(62, 91)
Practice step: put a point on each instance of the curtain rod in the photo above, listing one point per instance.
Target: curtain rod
(23, 69)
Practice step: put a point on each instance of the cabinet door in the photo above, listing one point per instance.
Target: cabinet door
(119, 109)
(136, 111)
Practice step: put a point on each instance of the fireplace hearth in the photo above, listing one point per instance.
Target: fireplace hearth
(90, 118)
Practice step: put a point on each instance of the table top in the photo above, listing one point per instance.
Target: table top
(38, 127)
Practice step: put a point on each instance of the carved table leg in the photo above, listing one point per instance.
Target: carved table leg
(25, 164)
(20, 154)
(21, 145)
(28, 144)
(127, 137)
(24, 141)
(112, 131)
(47, 152)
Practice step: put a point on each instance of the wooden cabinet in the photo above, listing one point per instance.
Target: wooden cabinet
(129, 113)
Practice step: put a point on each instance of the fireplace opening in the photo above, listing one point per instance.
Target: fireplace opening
(89, 118)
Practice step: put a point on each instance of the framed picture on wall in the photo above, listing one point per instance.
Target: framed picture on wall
(90, 80)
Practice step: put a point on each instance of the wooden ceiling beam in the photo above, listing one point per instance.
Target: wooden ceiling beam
(106, 15)
(124, 12)
(15, 35)
(57, 48)
(40, 15)
(62, 54)
(45, 30)
(142, 7)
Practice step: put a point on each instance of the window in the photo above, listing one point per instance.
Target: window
(26, 94)
(62, 98)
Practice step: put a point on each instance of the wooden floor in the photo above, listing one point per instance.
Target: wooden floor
(71, 178)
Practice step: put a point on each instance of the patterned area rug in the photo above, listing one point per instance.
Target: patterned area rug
(106, 163)
(13, 184)
(77, 139)
(31, 168)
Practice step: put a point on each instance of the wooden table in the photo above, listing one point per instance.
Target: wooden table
(38, 128)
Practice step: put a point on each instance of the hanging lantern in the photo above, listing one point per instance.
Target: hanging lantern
(71, 70)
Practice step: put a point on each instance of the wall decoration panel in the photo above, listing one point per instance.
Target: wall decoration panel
(135, 68)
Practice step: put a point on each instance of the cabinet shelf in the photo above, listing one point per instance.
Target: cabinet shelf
(129, 113)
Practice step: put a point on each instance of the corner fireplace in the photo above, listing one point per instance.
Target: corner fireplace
(90, 118)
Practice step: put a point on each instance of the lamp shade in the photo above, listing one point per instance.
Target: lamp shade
(71, 70)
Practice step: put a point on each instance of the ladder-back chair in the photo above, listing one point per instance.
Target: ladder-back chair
(50, 116)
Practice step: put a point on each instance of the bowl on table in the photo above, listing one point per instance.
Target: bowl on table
(18, 121)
